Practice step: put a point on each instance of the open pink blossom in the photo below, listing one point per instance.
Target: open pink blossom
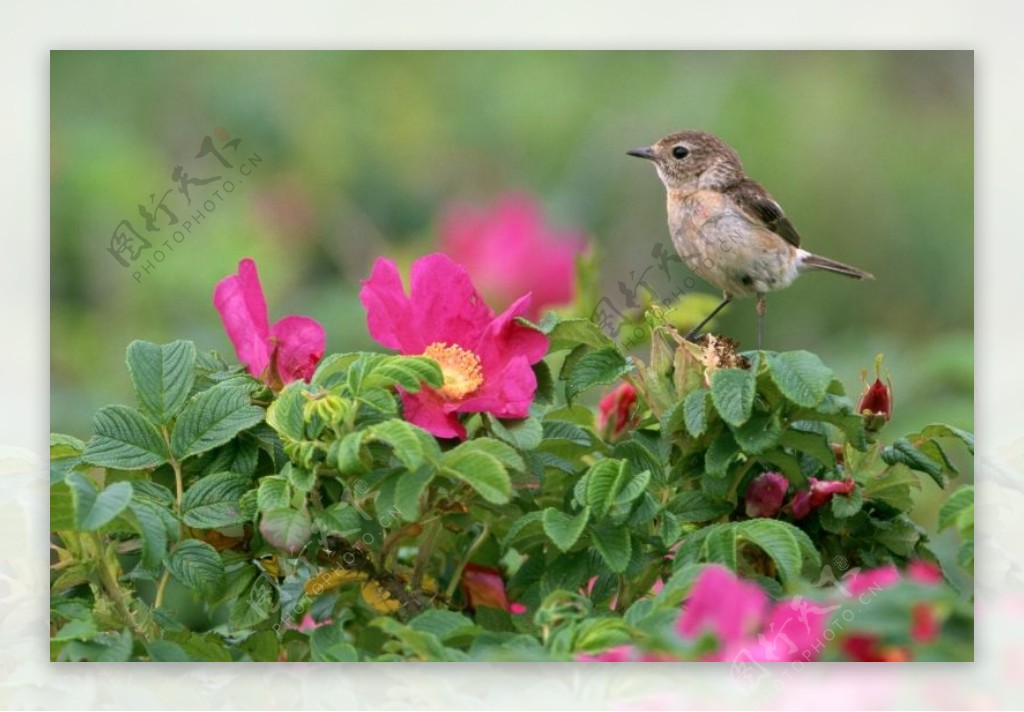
(485, 359)
(287, 351)
(739, 614)
(510, 250)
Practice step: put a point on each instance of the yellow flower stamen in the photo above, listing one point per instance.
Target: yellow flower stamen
(460, 368)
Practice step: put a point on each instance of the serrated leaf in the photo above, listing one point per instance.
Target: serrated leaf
(695, 412)
(402, 439)
(732, 392)
(846, 505)
(893, 487)
(503, 453)
(694, 506)
(124, 439)
(274, 493)
(570, 333)
(957, 504)
(481, 471)
(722, 451)
(152, 530)
(596, 368)
(285, 414)
(95, 508)
(299, 477)
(562, 529)
(760, 433)
(198, 567)
(212, 502)
(633, 488)
(940, 430)
(254, 607)
(287, 529)
(523, 433)
(162, 376)
(327, 643)
(903, 452)
(614, 546)
(778, 540)
(446, 625)
(409, 372)
(212, 418)
(814, 444)
(604, 481)
(564, 430)
(801, 377)
(409, 490)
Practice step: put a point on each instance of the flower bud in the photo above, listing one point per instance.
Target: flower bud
(820, 493)
(876, 402)
(765, 494)
(617, 412)
(483, 586)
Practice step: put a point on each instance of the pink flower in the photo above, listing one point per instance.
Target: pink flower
(821, 492)
(765, 494)
(738, 613)
(510, 251)
(618, 654)
(858, 582)
(279, 354)
(617, 411)
(486, 360)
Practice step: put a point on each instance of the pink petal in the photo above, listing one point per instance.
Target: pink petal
(447, 306)
(483, 586)
(619, 654)
(858, 582)
(430, 412)
(924, 572)
(506, 393)
(795, 630)
(722, 604)
(390, 316)
(300, 346)
(243, 309)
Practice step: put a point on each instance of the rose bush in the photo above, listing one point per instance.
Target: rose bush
(457, 500)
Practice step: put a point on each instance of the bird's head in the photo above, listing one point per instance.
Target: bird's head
(692, 160)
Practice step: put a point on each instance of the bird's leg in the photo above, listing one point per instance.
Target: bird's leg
(692, 334)
(762, 309)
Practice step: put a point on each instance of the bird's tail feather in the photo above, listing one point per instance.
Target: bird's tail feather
(809, 261)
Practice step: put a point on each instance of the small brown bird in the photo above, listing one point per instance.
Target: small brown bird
(726, 227)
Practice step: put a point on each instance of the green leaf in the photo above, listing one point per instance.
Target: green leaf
(695, 411)
(285, 414)
(846, 505)
(893, 487)
(299, 477)
(503, 453)
(402, 438)
(801, 377)
(940, 430)
(481, 471)
(328, 644)
(124, 439)
(779, 540)
(94, 509)
(198, 567)
(720, 454)
(762, 432)
(409, 372)
(153, 531)
(604, 481)
(613, 544)
(445, 625)
(569, 432)
(562, 529)
(211, 418)
(903, 452)
(287, 529)
(332, 369)
(694, 506)
(899, 535)
(162, 376)
(811, 443)
(523, 433)
(732, 392)
(274, 493)
(212, 502)
(254, 607)
(596, 368)
(958, 503)
(570, 333)
(409, 491)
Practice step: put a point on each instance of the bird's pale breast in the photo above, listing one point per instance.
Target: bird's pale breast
(725, 247)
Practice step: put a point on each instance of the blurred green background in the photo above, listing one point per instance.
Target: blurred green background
(870, 153)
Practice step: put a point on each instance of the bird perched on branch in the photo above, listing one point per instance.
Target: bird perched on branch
(726, 227)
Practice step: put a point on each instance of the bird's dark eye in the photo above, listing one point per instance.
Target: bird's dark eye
(680, 152)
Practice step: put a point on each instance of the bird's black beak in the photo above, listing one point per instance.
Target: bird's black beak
(645, 152)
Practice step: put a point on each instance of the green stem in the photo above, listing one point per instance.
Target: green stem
(179, 489)
(108, 581)
(426, 549)
(453, 584)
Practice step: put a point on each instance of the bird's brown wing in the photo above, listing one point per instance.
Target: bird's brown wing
(756, 202)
